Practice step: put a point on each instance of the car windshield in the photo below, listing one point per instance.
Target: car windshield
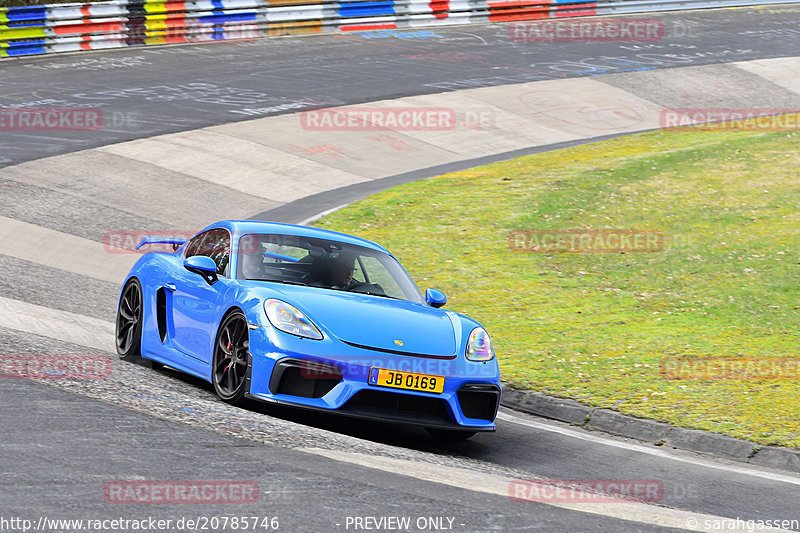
(322, 263)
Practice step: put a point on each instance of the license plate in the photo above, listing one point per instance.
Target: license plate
(405, 380)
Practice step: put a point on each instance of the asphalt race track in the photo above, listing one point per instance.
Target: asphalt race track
(62, 441)
(150, 91)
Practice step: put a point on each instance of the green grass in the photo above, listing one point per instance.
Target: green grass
(595, 327)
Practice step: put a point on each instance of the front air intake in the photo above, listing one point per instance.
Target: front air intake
(305, 379)
(479, 401)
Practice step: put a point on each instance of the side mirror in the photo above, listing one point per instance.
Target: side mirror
(203, 265)
(435, 298)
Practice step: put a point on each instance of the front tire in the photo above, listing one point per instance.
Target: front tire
(231, 358)
(128, 330)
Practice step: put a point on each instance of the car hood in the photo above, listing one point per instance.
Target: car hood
(375, 322)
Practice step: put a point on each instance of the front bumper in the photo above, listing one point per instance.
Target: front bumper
(335, 379)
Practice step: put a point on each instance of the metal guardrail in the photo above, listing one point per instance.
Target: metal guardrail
(123, 23)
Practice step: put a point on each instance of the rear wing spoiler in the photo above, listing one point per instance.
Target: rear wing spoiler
(176, 243)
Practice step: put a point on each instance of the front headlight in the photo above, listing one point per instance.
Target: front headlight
(479, 346)
(289, 319)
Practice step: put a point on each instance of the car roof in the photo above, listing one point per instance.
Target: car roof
(245, 227)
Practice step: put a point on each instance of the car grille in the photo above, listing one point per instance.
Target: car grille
(399, 407)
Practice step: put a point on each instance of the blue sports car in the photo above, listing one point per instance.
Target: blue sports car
(309, 318)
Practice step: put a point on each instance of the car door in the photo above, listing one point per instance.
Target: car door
(196, 303)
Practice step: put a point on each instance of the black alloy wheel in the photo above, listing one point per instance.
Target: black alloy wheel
(231, 358)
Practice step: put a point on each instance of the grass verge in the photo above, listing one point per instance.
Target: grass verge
(598, 327)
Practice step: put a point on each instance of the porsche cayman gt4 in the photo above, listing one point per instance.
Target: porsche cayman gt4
(309, 318)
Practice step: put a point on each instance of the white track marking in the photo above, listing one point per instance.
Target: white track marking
(599, 439)
(61, 325)
(62, 251)
(499, 486)
(318, 216)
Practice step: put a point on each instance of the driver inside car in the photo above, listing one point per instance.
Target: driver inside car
(253, 265)
(333, 272)
(337, 273)
(341, 272)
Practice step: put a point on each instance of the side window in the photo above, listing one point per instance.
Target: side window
(193, 244)
(216, 244)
